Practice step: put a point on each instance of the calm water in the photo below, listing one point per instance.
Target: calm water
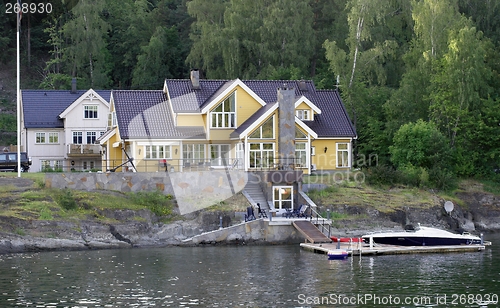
(247, 276)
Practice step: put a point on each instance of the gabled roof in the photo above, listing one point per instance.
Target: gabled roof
(331, 120)
(255, 119)
(147, 115)
(306, 101)
(41, 108)
(90, 94)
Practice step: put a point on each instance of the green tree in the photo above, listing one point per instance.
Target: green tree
(158, 60)
(420, 144)
(206, 35)
(87, 52)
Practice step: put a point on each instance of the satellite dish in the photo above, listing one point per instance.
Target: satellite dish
(448, 206)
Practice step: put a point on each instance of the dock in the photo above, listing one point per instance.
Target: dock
(355, 249)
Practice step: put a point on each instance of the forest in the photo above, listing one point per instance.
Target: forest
(419, 78)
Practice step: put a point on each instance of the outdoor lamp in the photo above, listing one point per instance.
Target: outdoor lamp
(326, 149)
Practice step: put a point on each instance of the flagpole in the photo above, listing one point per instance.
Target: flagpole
(18, 102)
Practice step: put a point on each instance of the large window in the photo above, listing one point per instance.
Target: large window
(193, 153)
(90, 111)
(261, 155)
(283, 197)
(265, 131)
(157, 151)
(343, 155)
(224, 115)
(219, 155)
(301, 154)
(77, 137)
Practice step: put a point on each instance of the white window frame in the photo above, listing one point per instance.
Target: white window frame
(90, 112)
(343, 155)
(259, 129)
(193, 153)
(40, 138)
(78, 135)
(278, 200)
(152, 152)
(91, 135)
(53, 138)
(301, 154)
(217, 161)
(303, 114)
(262, 158)
(218, 119)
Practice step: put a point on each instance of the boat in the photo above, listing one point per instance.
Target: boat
(423, 236)
(337, 254)
(346, 239)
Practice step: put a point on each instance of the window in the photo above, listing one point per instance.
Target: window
(283, 197)
(90, 112)
(91, 137)
(77, 137)
(343, 155)
(219, 155)
(51, 165)
(40, 138)
(224, 115)
(301, 153)
(53, 137)
(299, 134)
(261, 155)
(303, 114)
(112, 119)
(157, 151)
(193, 153)
(265, 131)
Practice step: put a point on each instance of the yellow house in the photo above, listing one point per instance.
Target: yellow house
(195, 124)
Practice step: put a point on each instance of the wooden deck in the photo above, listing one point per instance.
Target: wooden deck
(311, 232)
(355, 250)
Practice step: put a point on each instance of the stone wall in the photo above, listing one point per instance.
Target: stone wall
(254, 231)
(118, 181)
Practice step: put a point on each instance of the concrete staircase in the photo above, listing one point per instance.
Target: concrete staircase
(254, 194)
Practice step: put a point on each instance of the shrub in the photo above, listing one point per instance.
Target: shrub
(156, 202)
(66, 200)
(443, 179)
(381, 175)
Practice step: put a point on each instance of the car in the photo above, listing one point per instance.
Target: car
(8, 161)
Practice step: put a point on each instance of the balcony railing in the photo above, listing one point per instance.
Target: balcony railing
(84, 149)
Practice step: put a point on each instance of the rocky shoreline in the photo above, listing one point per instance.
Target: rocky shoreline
(87, 235)
(480, 214)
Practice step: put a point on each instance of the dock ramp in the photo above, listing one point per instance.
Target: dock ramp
(311, 232)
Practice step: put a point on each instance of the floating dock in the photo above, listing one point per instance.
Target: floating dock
(355, 249)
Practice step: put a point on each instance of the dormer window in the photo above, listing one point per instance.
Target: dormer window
(303, 114)
(90, 112)
(224, 115)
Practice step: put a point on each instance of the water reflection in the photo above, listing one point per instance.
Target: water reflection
(254, 276)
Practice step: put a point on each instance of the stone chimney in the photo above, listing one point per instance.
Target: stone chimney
(286, 121)
(73, 85)
(195, 79)
(302, 85)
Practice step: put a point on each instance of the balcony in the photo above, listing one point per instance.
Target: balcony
(84, 150)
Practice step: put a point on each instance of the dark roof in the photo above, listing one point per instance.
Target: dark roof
(185, 99)
(41, 108)
(332, 122)
(146, 115)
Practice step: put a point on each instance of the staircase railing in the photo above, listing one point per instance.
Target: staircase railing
(323, 224)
